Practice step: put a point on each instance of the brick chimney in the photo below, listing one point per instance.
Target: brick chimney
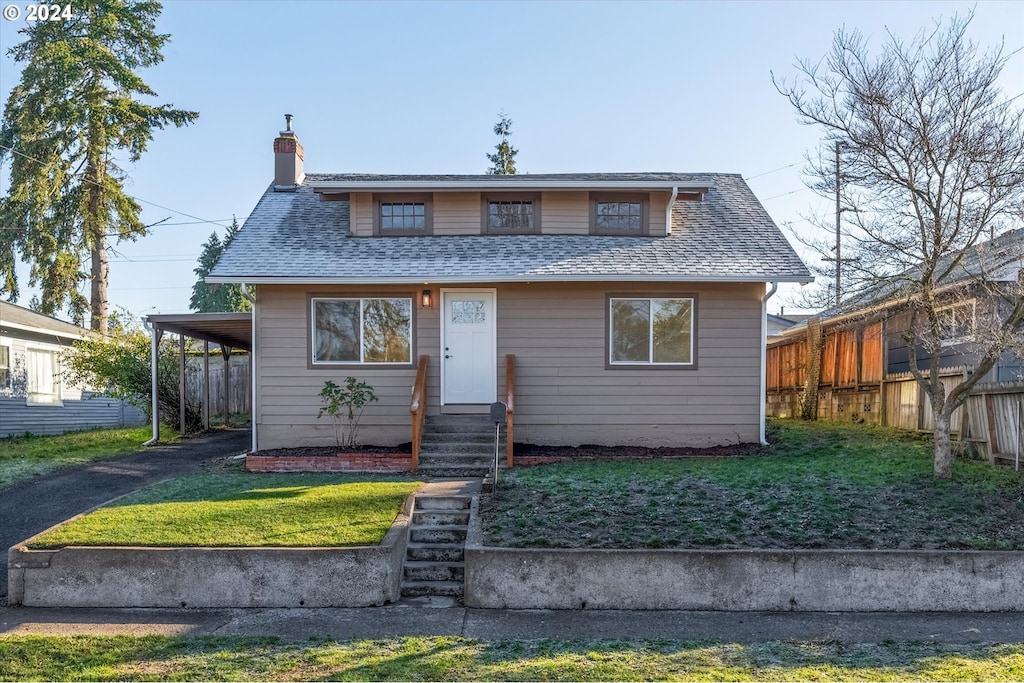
(288, 156)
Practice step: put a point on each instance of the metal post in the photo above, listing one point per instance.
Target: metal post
(181, 383)
(206, 384)
(839, 256)
(226, 352)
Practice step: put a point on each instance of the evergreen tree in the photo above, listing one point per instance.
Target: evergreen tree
(73, 111)
(503, 161)
(217, 298)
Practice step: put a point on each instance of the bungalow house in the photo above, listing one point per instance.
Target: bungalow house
(632, 304)
(34, 397)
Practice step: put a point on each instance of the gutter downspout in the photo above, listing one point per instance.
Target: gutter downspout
(668, 209)
(154, 388)
(252, 369)
(764, 361)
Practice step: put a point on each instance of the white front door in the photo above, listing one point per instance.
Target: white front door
(468, 352)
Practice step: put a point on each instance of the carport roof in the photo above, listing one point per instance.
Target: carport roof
(227, 329)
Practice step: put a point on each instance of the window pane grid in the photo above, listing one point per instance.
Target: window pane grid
(510, 215)
(619, 216)
(403, 216)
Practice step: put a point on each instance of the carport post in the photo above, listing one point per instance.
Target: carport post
(154, 344)
(206, 384)
(226, 351)
(181, 382)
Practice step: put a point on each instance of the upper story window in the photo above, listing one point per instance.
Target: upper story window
(956, 323)
(405, 214)
(505, 213)
(619, 214)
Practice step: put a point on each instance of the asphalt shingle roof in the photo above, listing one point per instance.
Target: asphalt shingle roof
(728, 236)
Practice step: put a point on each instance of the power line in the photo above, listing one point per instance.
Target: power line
(786, 194)
(776, 170)
(138, 199)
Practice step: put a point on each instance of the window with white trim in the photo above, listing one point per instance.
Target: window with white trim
(956, 323)
(43, 369)
(650, 331)
(5, 367)
(361, 330)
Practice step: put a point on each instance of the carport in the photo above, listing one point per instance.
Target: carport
(229, 330)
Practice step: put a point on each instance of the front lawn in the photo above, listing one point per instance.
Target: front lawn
(25, 457)
(820, 485)
(241, 509)
(449, 658)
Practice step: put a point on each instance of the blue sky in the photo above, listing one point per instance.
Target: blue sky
(416, 87)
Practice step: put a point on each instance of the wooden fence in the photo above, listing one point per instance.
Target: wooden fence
(239, 388)
(853, 386)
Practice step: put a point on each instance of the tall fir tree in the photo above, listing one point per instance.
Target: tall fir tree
(503, 161)
(219, 298)
(73, 113)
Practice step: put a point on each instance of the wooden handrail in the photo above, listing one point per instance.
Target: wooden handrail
(418, 408)
(510, 404)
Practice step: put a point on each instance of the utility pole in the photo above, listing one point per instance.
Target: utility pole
(839, 257)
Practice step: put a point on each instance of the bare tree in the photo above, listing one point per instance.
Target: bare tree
(932, 159)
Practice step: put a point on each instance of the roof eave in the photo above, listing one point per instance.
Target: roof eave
(452, 280)
(517, 184)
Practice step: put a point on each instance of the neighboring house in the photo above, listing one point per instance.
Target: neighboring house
(633, 303)
(863, 346)
(778, 324)
(33, 396)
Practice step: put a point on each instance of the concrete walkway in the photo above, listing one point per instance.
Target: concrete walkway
(409, 620)
(35, 505)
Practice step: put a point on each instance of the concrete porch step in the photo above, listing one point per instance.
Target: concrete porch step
(434, 552)
(412, 589)
(440, 517)
(424, 570)
(461, 446)
(448, 533)
(443, 469)
(443, 502)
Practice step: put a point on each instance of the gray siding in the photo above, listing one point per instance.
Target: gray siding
(17, 418)
(565, 393)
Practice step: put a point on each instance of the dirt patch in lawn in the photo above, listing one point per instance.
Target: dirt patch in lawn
(594, 452)
(334, 451)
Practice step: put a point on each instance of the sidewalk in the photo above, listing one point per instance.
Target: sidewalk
(409, 619)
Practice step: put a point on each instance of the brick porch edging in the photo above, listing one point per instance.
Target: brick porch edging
(342, 462)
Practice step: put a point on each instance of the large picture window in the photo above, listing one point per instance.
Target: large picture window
(362, 330)
(651, 331)
(43, 381)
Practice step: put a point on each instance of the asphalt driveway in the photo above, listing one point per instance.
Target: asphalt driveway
(33, 506)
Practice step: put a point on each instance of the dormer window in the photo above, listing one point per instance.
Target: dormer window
(402, 215)
(619, 214)
(505, 213)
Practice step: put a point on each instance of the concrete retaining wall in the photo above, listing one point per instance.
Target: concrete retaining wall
(209, 577)
(742, 580)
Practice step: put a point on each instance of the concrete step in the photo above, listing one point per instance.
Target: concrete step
(443, 502)
(452, 470)
(413, 589)
(459, 424)
(418, 570)
(448, 456)
(480, 438)
(440, 517)
(434, 552)
(438, 534)
(461, 446)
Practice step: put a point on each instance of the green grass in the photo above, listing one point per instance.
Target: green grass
(239, 509)
(448, 658)
(820, 485)
(25, 457)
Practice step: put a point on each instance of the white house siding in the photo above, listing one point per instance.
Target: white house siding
(565, 393)
(76, 411)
